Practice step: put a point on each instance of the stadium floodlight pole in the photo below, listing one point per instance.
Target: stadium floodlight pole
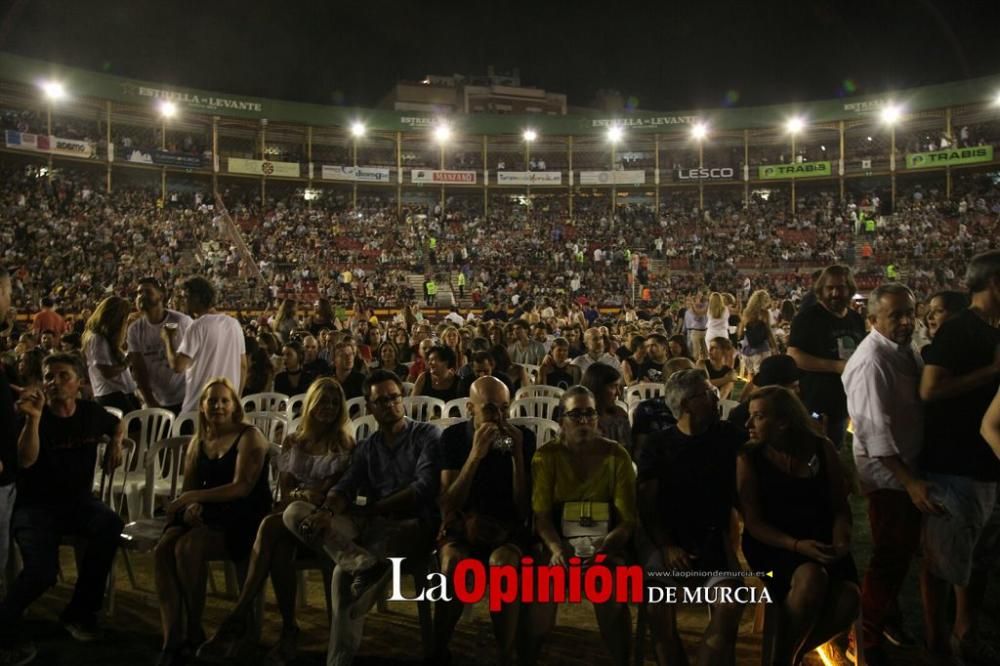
(357, 131)
(794, 125)
(891, 115)
(615, 134)
(699, 131)
(529, 135)
(167, 111)
(441, 134)
(54, 92)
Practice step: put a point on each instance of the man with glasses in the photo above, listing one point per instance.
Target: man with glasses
(486, 501)
(158, 384)
(382, 507)
(687, 481)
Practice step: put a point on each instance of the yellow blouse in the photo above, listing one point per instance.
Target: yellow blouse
(555, 482)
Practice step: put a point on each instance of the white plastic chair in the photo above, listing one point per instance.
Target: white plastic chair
(154, 424)
(532, 371)
(356, 408)
(539, 407)
(265, 402)
(272, 424)
(726, 406)
(407, 388)
(539, 391)
(115, 412)
(294, 408)
(447, 421)
(363, 427)
(180, 423)
(164, 466)
(643, 391)
(423, 408)
(459, 407)
(545, 429)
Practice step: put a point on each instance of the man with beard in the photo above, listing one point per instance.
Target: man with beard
(651, 369)
(822, 339)
(158, 384)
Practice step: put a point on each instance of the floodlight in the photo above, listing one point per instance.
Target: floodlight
(795, 124)
(357, 129)
(442, 133)
(615, 134)
(53, 90)
(168, 109)
(530, 135)
(699, 131)
(891, 114)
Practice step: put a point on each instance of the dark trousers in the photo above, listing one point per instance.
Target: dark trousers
(38, 531)
(895, 526)
(835, 428)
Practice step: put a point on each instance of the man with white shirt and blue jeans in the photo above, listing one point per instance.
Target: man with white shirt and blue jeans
(882, 383)
(159, 385)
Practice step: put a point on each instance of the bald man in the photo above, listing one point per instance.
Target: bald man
(485, 502)
(312, 362)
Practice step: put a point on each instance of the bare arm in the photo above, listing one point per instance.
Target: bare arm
(938, 383)
(812, 363)
(990, 429)
(28, 442)
(141, 374)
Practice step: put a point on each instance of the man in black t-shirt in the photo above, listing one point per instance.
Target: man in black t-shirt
(343, 370)
(57, 451)
(556, 369)
(486, 502)
(687, 484)
(483, 365)
(961, 376)
(822, 338)
(651, 370)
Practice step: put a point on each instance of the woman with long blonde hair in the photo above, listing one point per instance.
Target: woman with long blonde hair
(312, 459)
(718, 317)
(754, 333)
(103, 348)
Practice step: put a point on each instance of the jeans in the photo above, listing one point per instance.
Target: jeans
(38, 530)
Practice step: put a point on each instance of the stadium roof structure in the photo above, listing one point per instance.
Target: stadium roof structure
(97, 85)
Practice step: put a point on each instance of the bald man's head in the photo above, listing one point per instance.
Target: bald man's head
(489, 400)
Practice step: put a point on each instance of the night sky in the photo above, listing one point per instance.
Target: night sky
(664, 55)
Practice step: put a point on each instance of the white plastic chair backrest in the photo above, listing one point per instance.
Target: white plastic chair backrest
(447, 421)
(407, 388)
(545, 429)
(115, 412)
(185, 423)
(165, 460)
(356, 408)
(532, 371)
(154, 424)
(293, 425)
(265, 402)
(458, 408)
(631, 413)
(624, 405)
(643, 391)
(423, 408)
(104, 484)
(539, 407)
(272, 424)
(539, 391)
(364, 426)
(294, 409)
(726, 406)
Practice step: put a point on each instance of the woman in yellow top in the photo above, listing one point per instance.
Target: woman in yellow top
(582, 465)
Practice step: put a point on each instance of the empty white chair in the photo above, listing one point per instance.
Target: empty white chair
(184, 424)
(356, 408)
(545, 429)
(265, 402)
(532, 371)
(363, 427)
(423, 408)
(164, 466)
(272, 424)
(538, 391)
(542, 408)
(294, 408)
(643, 391)
(145, 427)
(726, 406)
(459, 407)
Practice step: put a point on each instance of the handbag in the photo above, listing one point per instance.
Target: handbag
(586, 519)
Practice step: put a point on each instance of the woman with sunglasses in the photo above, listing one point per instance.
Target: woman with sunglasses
(312, 459)
(581, 465)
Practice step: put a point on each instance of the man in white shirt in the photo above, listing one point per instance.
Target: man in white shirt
(454, 318)
(596, 352)
(213, 345)
(158, 384)
(882, 383)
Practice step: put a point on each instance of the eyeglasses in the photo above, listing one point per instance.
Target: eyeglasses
(581, 415)
(387, 400)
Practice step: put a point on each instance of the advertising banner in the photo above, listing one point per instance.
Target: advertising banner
(705, 173)
(609, 177)
(355, 174)
(529, 177)
(796, 170)
(44, 143)
(442, 177)
(259, 168)
(949, 157)
(166, 158)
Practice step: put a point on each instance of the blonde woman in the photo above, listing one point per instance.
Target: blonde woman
(225, 497)
(285, 320)
(103, 347)
(312, 459)
(754, 333)
(718, 317)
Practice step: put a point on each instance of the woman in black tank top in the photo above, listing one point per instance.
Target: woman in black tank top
(440, 379)
(225, 496)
